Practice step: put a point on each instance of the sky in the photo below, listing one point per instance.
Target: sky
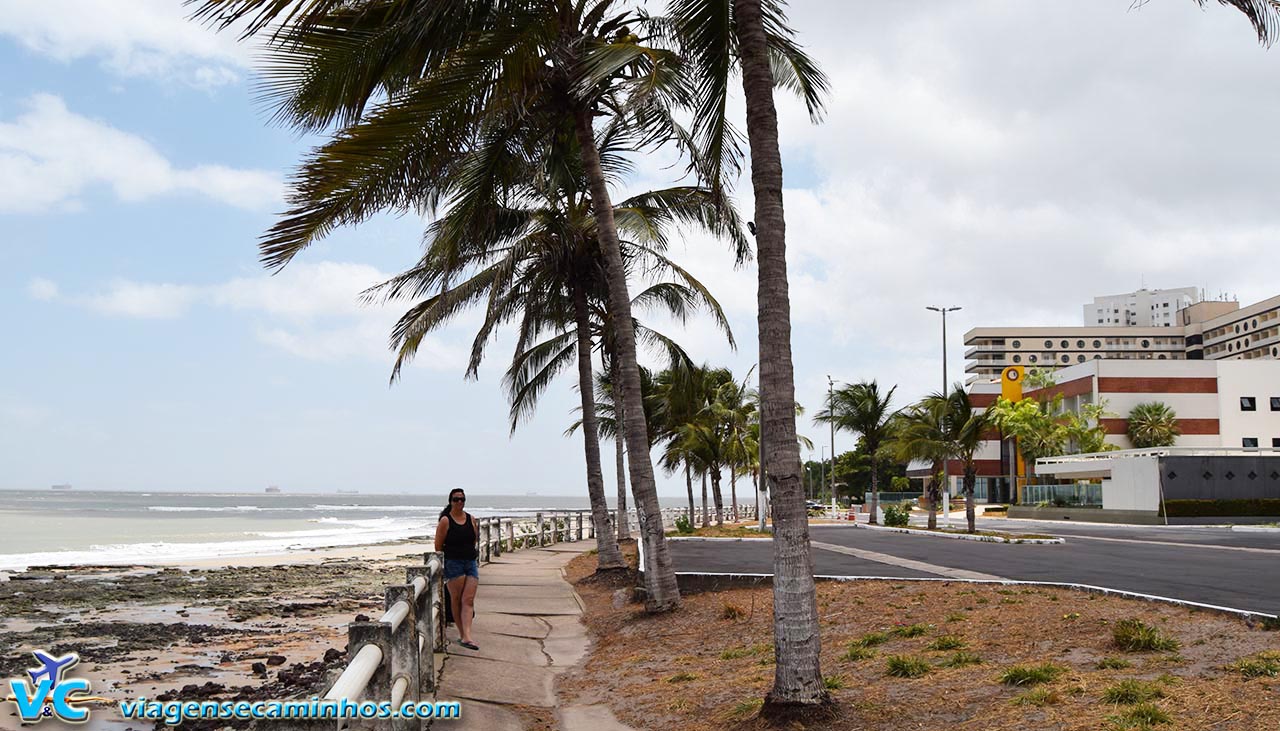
(1014, 159)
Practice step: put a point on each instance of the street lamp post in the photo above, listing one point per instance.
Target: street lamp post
(831, 408)
(822, 462)
(946, 467)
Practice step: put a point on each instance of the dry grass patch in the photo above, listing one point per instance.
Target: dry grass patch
(634, 653)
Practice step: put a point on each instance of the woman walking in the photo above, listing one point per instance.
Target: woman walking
(457, 537)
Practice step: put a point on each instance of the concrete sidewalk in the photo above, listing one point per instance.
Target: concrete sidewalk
(528, 629)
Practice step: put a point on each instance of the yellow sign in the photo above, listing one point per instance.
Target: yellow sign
(1011, 383)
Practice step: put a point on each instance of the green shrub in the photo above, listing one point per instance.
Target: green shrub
(962, 659)
(905, 666)
(1129, 691)
(1222, 508)
(833, 682)
(1143, 715)
(948, 642)
(1133, 635)
(682, 677)
(896, 516)
(684, 525)
(871, 639)
(1031, 674)
(1262, 665)
(1113, 663)
(858, 652)
(910, 630)
(957, 617)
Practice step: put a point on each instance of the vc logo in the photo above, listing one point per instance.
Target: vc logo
(49, 694)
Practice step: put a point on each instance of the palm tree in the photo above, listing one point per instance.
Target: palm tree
(921, 433)
(967, 429)
(1153, 424)
(415, 84)
(716, 36)
(861, 409)
(675, 401)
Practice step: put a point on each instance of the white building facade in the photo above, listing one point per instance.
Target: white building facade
(1143, 308)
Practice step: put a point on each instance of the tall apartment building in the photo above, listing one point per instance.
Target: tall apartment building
(1199, 331)
(1143, 308)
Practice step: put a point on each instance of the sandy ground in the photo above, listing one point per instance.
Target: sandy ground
(706, 666)
(260, 627)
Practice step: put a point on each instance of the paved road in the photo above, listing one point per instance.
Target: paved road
(1141, 560)
(1198, 534)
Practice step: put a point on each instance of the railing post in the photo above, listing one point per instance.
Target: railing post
(541, 531)
(484, 540)
(435, 588)
(426, 619)
(511, 535)
(577, 535)
(404, 655)
(360, 634)
(495, 535)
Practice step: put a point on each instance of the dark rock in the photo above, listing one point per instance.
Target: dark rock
(275, 659)
(333, 654)
(362, 618)
(258, 668)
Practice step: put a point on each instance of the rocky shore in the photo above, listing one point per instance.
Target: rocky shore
(248, 632)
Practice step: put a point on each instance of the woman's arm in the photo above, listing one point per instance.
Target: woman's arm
(475, 528)
(442, 530)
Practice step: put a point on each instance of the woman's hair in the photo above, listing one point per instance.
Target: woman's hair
(449, 504)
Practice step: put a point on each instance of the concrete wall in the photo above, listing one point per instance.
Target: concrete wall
(1256, 378)
(1134, 485)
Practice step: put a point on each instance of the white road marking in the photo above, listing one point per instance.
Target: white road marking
(906, 563)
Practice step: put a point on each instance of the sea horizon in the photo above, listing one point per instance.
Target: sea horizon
(114, 527)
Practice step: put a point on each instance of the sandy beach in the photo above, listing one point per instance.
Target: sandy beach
(243, 628)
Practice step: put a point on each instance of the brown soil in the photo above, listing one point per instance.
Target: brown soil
(695, 670)
(729, 530)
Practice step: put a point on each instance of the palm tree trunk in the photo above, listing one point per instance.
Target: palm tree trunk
(932, 493)
(662, 593)
(608, 556)
(797, 678)
(970, 482)
(705, 520)
(733, 493)
(875, 492)
(688, 483)
(717, 495)
(624, 521)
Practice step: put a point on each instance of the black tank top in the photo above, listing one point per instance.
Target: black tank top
(460, 541)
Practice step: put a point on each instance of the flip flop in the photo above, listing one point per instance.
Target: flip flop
(469, 645)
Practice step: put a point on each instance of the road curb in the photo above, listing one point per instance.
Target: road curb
(1254, 529)
(1084, 588)
(960, 536)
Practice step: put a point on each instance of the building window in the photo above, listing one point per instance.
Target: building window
(1031, 358)
(1017, 359)
(1249, 442)
(1275, 403)
(1161, 357)
(1275, 442)
(1097, 343)
(1080, 344)
(1255, 324)
(1079, 358)
(1099, 320)
(1237, 329)
(1248, 403)
(1048, 343)
(1146, 343)
(1066, 359)
(1017, 343)
(1066, 344)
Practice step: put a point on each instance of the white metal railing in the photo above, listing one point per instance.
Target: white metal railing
(394, 656)
(1160, 452)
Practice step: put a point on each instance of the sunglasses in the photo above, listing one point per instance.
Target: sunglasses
(457, 499)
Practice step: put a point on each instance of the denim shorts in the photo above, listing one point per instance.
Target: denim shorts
(454, 568)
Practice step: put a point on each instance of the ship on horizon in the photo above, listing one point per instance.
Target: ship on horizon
(273, 489)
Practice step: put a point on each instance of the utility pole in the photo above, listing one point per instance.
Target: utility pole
(946, 466)
(831, 408)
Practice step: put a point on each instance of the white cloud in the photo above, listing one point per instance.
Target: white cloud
(311, 310)
(141, 300)
(148, 38)
(49, 155)
(42, 289)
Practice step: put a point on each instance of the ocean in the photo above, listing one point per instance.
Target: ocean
(74, 527)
